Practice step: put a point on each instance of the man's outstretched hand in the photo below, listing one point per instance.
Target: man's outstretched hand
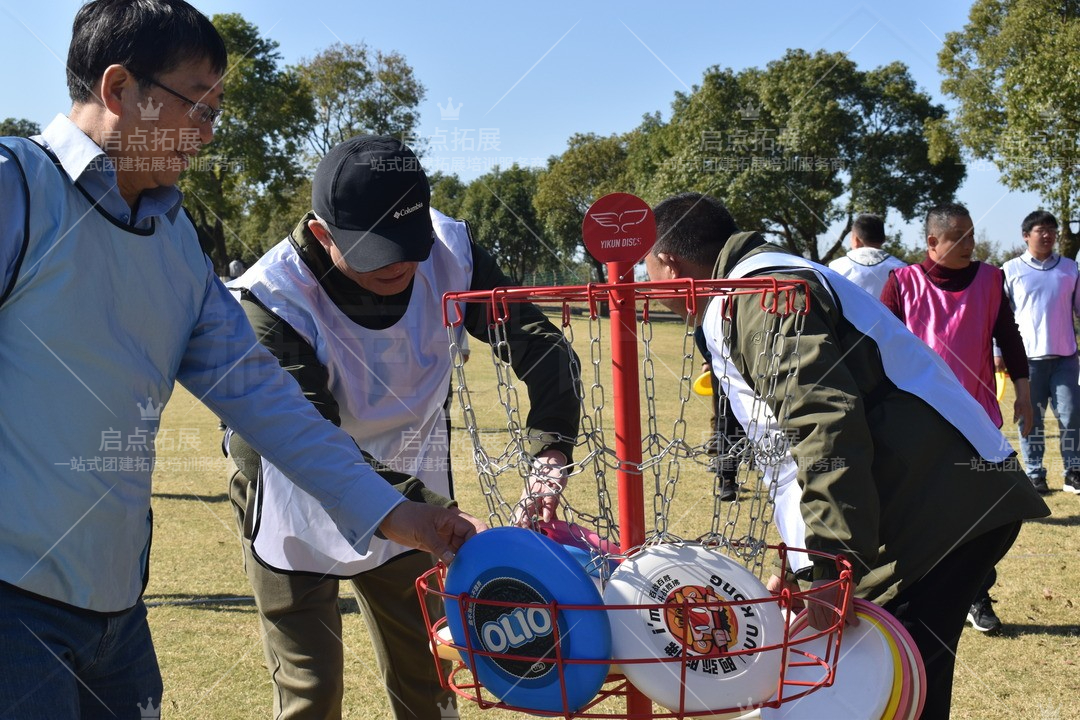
(541, 495)
(438, 530)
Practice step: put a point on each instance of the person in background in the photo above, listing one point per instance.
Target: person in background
(236, 268)
(866, 264)
(724, 431)
(1043, 289)
(958, 307)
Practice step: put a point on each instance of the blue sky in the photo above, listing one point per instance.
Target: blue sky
(529, 75)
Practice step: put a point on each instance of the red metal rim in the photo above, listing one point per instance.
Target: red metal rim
(461, 681)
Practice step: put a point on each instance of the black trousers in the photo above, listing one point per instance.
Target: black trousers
(935, 608)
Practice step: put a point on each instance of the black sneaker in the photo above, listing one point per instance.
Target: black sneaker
(1039, 483)
(982, 616)
(1072, 482)
(729, 489)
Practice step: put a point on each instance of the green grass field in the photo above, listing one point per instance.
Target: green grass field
(206, 630)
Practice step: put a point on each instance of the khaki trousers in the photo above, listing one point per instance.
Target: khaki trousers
(301, 632)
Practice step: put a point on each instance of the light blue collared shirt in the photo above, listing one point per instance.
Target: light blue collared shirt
(105, 318)
(92, 169)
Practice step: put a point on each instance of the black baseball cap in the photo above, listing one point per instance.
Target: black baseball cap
(372, 193)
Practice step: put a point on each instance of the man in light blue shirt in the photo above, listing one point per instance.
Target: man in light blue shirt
(106, 300)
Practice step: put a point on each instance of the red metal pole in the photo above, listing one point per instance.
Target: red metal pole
(627, 410)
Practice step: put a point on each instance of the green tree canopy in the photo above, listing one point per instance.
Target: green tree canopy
(447, 193)
(499, 207)
(1015, 71)
(591, 167)
(17, 127)
(253, 165)
(356, 90)
(807, 142)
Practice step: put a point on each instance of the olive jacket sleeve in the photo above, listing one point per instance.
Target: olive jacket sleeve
(539, 357)
(823, 414)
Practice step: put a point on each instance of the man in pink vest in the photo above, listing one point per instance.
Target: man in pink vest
(958, 307)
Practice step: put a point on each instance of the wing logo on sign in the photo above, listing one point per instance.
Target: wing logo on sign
(619, 228)
(620, 220)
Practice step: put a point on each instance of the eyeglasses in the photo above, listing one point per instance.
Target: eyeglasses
(200, 112)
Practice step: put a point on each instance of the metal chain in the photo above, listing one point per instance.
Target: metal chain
(488, 485)
(740, 526)
(661, 452)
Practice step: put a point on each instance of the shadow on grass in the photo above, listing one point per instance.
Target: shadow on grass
(221, 497)
(227, 603)
(216, 603)
(1014, 630)
(1061, 520)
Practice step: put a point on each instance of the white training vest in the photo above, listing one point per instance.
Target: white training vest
(1044, 299)
(390, 386)
(868, 268)
(908, 363)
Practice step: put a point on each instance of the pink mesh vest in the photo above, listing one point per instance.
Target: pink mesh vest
(958, 326)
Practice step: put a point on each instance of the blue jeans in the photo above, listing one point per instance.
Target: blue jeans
(58, 661)
(1054, 383)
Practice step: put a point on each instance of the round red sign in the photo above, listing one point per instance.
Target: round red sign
(619, 228)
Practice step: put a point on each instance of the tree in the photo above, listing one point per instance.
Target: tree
(17, 127)
(253, 165)
(589, 168)
(807, 142)
(894, 245)
(447, 193)
(499, 207)
(1015, 72)
(356, 91)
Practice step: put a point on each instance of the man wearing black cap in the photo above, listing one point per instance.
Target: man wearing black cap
(350, 303)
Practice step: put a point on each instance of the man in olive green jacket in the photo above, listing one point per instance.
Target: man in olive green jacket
(909, 494)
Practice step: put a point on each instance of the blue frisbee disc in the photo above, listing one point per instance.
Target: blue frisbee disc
(519, 566)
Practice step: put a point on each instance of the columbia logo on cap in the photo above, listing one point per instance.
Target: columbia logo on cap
(405, 211)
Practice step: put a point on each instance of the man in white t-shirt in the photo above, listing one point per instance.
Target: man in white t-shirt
(867, 265)
(1043, 289)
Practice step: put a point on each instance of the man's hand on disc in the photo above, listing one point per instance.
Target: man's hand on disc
(438, 530)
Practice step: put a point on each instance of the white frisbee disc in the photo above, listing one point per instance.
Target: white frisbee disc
(862, 685)
(915, 676)
(693, 574)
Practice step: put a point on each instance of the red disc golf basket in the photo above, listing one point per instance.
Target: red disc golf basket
(644, 432)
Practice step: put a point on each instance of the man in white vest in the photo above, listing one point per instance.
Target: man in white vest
(919, 489)
(106, 302)
(351, 305)
(866, 264)
(1044, 290)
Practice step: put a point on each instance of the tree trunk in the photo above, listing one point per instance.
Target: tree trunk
(599, 269)
(221, 256)
(809, 241)
(1068, 242)
(839, 241)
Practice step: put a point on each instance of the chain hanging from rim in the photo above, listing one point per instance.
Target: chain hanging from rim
(496, 462)
(761, 449)
(756, 457)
